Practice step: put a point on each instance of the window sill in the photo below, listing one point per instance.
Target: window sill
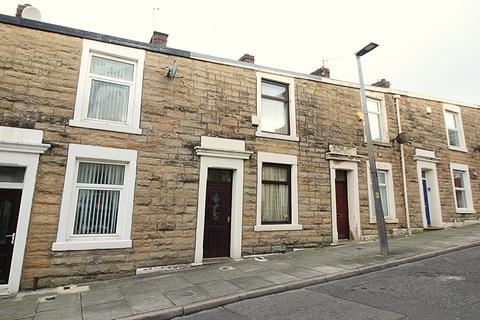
(382, 143)
(276, 136)
(461, 149)
(387, 220)
(103, 126)
(465, 211)
(91, 245)
(278, 227)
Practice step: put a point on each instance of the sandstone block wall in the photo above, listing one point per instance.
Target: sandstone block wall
(39, 77)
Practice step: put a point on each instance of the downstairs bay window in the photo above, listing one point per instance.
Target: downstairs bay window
(97, 201)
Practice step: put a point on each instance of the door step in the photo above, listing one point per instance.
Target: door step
(433, 228)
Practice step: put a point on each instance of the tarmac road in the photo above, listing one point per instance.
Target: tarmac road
(444, 287)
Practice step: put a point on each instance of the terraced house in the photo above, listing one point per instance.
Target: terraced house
(117, 155)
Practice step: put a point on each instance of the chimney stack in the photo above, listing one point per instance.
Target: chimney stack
(382, 84)
(248, 58)
(20, 8)
(322, 72)
(159, 39)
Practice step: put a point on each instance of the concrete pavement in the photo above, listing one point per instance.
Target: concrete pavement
(168, 295)
(441, 288)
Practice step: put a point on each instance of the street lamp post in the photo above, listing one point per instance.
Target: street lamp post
(382, 231)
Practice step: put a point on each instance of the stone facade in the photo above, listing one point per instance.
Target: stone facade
(39, 78)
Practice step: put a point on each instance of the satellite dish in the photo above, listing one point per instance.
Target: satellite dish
(172, 70)
(31, 13)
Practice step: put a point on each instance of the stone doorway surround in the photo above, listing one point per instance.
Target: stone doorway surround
(345, 158)
(20, 148)
(426, 160)
(219, 153)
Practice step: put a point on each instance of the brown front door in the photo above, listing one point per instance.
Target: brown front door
(342, 204)
(9, 206)
(218, 204)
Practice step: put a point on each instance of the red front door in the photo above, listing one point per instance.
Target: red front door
(9, 206)
(343, 228)
(218, 204)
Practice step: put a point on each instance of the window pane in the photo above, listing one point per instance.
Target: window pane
(458, 179)
(382, 177)
(275, 204)
(373, 106)
(112, 68)
(12, 174)
(97, 212)
(375, 126)
(461, 201)
(108, 101)
(5, 216)
(451, 120)
(274, 116)
(99, 173)
(279, 91)
(453, 138)
(384, 199)
(274, 173)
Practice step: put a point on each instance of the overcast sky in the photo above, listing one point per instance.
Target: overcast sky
(426, 46)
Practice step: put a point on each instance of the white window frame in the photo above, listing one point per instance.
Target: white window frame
(292, 136)
(391, 216)
(380, 99)
(85, 153)
(117, 53)
(468, 187)
(266, 157)
(461, 137)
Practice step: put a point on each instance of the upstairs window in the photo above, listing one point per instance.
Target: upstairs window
(109, 88)
(111, 83)
(454, 127)
(275, 116)
(376, 120)
(275, 107)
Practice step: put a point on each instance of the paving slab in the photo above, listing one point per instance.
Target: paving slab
(106, 311)
(147, 302)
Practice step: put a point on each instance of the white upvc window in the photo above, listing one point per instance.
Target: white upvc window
(275, 107)
(109, 88)
(377, 117)
(97, 199)
(454, 127)
(462, 191)
(387, 196)
(277, 192)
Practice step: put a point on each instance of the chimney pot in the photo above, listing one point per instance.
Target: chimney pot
(382, 84)
(159, 39)
(20, 8)
(248, 58)
(322, 72)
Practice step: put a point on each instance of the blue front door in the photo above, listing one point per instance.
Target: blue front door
(425, 198)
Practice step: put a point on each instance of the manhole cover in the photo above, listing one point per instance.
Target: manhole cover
(186, 294)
